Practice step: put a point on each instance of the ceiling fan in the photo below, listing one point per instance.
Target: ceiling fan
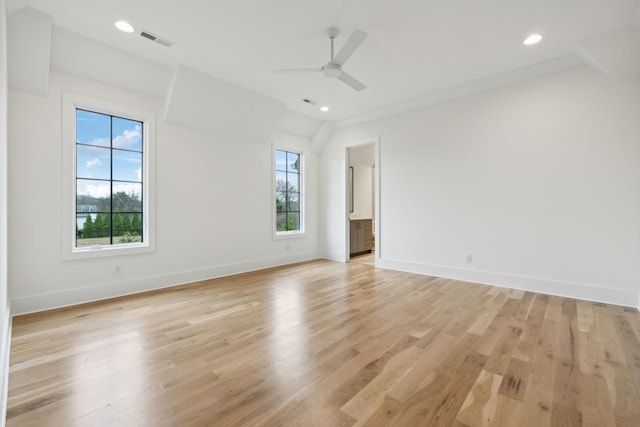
(333, 68)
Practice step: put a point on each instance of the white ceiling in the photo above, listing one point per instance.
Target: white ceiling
(415, 48)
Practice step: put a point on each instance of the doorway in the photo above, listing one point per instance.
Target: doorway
(362, 212)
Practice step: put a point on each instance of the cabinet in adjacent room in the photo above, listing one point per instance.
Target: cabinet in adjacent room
(361, 236)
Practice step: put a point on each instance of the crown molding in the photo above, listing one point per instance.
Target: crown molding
(505, 79)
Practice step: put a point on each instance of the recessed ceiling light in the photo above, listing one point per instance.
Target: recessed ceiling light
(324, 108)
(532, 39)
(124, 26)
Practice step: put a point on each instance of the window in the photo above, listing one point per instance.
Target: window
(107, 161)
(109, 184)
(289, 217)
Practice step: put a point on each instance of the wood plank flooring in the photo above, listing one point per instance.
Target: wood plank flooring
(328, 344)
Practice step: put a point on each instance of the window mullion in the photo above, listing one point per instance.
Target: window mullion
(111, 180)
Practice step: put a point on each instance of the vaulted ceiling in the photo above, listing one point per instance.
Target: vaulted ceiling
(415, 49)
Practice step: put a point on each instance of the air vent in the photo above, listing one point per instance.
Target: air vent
(155, 38)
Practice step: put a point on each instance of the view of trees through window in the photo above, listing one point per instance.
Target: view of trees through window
(288, 191)
(109, 185)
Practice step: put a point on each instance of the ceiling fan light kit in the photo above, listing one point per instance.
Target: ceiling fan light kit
(333, 68)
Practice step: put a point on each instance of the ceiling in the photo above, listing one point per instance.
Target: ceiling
(414, 48)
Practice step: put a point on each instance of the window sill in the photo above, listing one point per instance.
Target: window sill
(100, 251)
(289, 235)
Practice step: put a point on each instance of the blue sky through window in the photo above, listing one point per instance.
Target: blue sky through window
(103, 158)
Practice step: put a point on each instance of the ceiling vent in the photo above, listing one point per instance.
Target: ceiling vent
(155, 38)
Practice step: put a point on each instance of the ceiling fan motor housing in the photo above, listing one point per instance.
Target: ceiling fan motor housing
(331, 70)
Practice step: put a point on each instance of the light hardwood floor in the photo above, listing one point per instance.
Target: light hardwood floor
(368, 259)
(328, 344)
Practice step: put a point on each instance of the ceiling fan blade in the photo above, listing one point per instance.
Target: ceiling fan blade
(349, 47)
(351, 81)
(297, 70)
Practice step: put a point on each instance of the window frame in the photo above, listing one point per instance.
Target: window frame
(69, 250)
(291, 233)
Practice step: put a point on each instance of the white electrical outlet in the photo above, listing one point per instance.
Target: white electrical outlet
(468, 258)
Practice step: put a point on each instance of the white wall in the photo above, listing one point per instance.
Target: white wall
(539, 181)
(361, 159)
(5, 321)
(362, 192)
(213, 205)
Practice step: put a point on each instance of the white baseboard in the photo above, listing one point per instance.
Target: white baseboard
(68, 297)
(623, 297)
(333, 256)
(4, 362)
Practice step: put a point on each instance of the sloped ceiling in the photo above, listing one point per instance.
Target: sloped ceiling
(197, 100)
(616, 53)
(191, 98)
(416, 50)
(28, 56)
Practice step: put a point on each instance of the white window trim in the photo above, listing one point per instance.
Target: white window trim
(69, 252)
(277, 235)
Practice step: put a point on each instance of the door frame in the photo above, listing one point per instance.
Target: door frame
(376, 195)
